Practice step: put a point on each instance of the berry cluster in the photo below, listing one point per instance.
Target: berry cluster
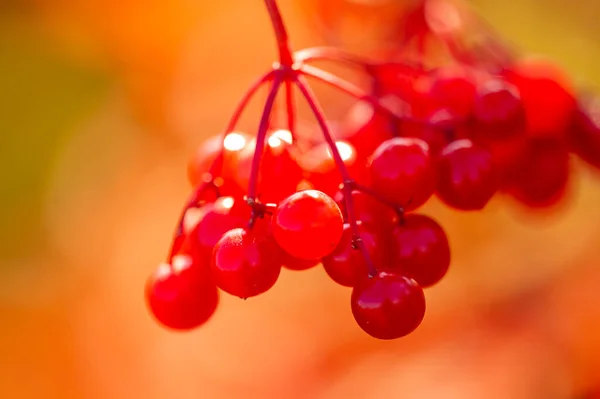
(463, 130)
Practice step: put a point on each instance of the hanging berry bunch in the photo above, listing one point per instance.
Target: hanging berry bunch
(476, 122)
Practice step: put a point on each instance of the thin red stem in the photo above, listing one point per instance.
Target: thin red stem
(317, 111)
(290, 108)
(246, 99)
(261, 135)
(285, 54)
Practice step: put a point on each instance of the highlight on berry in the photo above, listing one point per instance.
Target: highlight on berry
(441, 116)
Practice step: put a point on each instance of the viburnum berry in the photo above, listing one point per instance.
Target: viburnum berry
(181, 294)
(244, 263)
(584, 133)
(307, 225)
(499, 110)
(403, 172)
(420, 250)
(453, 88)
(367, 210)
(346, 265)
(388, 306)
(438, 129)
(467, 177)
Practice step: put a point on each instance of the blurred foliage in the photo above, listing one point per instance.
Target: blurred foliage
(44, 95)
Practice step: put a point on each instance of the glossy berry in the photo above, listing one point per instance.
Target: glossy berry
(584, 133)
(453, 88)
(467, 177)
(307, 225)
(216, 219)
(437, 130)
(540, 177)
(499, 109)
(346, 264)
(388, 306)
(245, 264)
(547, 95)
(292, 263)
(403, 172)
(181, 295)
(367, 210)
(420, 250)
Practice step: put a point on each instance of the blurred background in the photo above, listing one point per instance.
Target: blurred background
(101, 103)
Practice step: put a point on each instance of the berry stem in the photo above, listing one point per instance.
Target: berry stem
(317, 111)
(246, 99)
(364, 189)
(285, 55)
(263, 127)
(290, 108)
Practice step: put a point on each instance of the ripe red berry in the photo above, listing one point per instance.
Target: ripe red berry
(216, 219)
(203, 159)
(453, 88)
(547, 95)
(420, 250)
(346, 264)
(437, 130)
(403, 172)
(307, 225)
(181, 295)
(245, 264)
(388, 306)
(368, 210)
(540, 177)
(467, 177)
(499, 109)
(584, 133)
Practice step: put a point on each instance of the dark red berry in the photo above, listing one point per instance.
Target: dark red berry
(467, 177)
(307, 225)
(181, 294)
(499, 109)
(346, 265)
(453, 88)
(420, 250)
(403, 172)
(584, 133)
(368, 210)
(245, 264)
(388, 306)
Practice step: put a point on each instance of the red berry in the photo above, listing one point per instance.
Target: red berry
(467, 177)
(388, 306)
(279, 172)
(307, 225)
(499, 108)
(292, 263)
(453, 88)
(420, 250)
(203, 159)
(436, 130)
(216, 219)
(585, 133)
(403, 172)
(322, 171)
(367, 210)
(182, 295)
(346, 264)
(245, 264)
(547, 95)
(541, 175)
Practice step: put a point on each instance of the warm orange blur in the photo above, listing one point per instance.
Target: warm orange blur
(102, 103)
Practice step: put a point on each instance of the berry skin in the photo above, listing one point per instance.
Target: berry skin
(467, 177)
(403, 172)
(499, 109)
(540, 177)
(368, 210)
(245, 264)
(585, 133)
(388, 306)
(453, 88)
(292, 263)
(217, 218)
(420, 250)
(307, 225)
(181, 295)
(346, 264)
(547, 95)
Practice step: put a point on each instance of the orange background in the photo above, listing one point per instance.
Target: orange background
(101, 104)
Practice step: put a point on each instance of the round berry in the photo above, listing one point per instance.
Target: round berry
(467, 177)
(346, 264)
(245, 264)
(453, 88)
(420, 250)
(388, 306)
(499, 108)
(181, 295)
(368, 210)
(307, 225)
(403, 172)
